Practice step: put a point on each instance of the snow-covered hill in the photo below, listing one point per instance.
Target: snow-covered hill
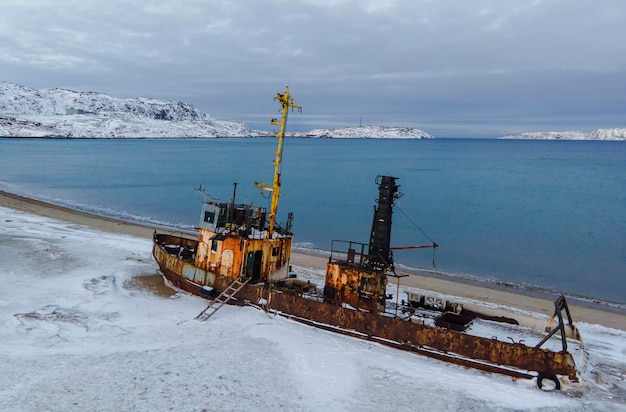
(26, 112)
(376, 132)
(598, 134)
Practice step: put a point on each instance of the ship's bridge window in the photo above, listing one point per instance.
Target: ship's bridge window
(275, 251)
(209, 217)
(214, 246)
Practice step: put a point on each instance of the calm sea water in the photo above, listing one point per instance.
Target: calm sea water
(550, 214)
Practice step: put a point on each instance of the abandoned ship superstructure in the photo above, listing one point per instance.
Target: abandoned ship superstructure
(356, 273)
(242, 256)
(235, 242)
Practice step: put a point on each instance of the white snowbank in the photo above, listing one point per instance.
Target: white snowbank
(77, 335)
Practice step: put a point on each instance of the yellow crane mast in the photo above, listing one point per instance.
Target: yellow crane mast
(286, 102)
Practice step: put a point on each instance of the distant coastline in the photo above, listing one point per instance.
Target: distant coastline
(364, 132)
(617, 134)
(67, 114)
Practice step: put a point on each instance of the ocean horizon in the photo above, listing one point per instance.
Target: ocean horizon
(535, 215)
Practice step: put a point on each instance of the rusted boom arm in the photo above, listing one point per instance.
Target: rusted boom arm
(433, 246)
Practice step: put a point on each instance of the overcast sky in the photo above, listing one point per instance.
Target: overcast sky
(451, 68)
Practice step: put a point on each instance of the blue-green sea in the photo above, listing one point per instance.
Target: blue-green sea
(547, 214)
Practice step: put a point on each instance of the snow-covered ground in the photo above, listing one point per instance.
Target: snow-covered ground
(78, 332)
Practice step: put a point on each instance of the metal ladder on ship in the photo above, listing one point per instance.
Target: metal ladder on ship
(221, 299)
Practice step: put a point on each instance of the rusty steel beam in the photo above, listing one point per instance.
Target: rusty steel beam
(469, 363)
(373, 326)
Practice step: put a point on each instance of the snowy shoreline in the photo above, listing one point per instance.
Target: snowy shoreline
(523, 297)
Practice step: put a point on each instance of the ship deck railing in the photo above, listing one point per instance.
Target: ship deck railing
(348, 252)
(184, 247)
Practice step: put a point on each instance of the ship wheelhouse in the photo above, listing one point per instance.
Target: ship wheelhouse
(235, 242)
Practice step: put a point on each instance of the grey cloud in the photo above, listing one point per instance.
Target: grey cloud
(485, 65)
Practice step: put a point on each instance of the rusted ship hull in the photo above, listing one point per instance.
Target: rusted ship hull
(182, 272)
(515, 359)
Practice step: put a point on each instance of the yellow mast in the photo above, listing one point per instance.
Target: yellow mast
(286, 102)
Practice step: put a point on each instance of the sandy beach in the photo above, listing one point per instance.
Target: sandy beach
(588, 313)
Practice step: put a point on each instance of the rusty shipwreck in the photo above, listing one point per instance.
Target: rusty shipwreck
(241, 256)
